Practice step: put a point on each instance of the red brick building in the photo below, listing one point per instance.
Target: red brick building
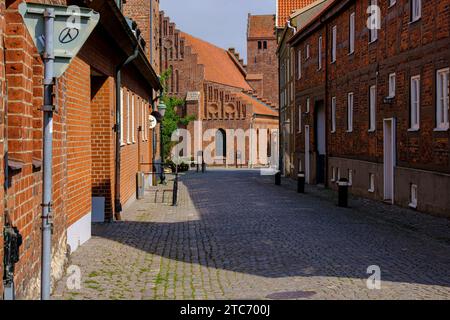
(378, 99)
(84, 137)
(215, 84)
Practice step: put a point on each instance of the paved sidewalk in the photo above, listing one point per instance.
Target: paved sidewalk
(235, 235)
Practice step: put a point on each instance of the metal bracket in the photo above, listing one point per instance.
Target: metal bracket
(49, 108)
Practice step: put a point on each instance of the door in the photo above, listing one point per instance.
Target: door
(320, 141)
(307, 156)
(389, 158)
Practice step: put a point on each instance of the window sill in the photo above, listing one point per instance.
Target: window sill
(445, 129)
(373, 41)
(333, 131)
(413, 205)
(371, 130)
(349, 131)
(413, 129)
(351, 53)
(371, 190)
(412, 22)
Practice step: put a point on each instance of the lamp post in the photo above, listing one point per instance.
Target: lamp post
(162, 111)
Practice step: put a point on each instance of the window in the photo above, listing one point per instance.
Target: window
(334, 44)
(351, 47)
(442, 99)
(133, 133)
(299, 119)
(392, 2)
(320, 54)
(371, 182)
(392, 80)
(259, 45)
(416, 10)
(338, 174)
(415, 103)
(333, 174)
(264, 45)
(307, 105)
(350, 177)
(128, 99)
(374, 18)
(413, 196)
(350, 112)
(299, 64)
(121, 117)
(372, 108)
(333, 115)
(308, 51)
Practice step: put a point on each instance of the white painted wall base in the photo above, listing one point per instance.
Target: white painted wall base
(79, 232)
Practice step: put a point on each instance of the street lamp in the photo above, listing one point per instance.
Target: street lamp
(162, 111)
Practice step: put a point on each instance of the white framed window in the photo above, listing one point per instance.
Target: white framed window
(338, 177)
(392, 2)
(133, 131)
(415, 103)
(372, 108)
(308, 51)
(350, 177)
(371, 182)
(350, 98)
(121, 118)
(299, 130)
(333, 115)
(352, 31)
(333, 174)
(319, 56)
(392, 85)
(300, 165)
(413, 196)
(416, 10)
(142, 114)
(307, 104)
(299, 64)
(375, 17)
(334, 44)
(442, 99)
(128, 99)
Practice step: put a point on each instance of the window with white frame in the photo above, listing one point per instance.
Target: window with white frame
(338, 174)
(350, 98)
(413, 196)
(415, 103)
(392, 2)
(308, 51)
(319, 56)
(374, 16)
(333, 174)
(142, 114)
(372, 108)
(371, 182)
(334, 44)
(128, 99)
(307, 104)
(392, 80)
(121, 117)
(299, 64)
(333, 114)
(352, 31)
(350, 177)
(416, 10)
(442, 99)
(299, 130)
(133, 132)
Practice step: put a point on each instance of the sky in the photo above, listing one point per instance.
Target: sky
(221, 22)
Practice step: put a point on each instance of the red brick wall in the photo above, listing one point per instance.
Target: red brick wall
(2, 128)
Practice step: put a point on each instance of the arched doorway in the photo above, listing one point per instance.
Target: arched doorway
(221, 146)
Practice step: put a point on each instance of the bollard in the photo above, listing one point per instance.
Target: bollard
(175, 191)
(198, 167)
(301, 182)
(203, 167)
(278, 178)
(343, 193)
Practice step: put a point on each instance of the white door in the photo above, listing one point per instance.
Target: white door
(389, 158)
(307, 158)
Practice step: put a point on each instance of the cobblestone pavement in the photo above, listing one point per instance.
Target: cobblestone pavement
(235, 235)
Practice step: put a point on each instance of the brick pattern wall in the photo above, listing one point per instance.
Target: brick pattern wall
(2, 128)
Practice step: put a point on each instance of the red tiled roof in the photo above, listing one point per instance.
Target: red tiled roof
(219, 67)
(287, 7)
(262, 26)
(258, 106)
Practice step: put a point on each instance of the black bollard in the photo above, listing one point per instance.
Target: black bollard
(203, 167)
(278, 179)
(301, 182)
(343, 193)
(198, 167)
(175, 191)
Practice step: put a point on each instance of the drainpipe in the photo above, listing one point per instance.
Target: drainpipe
(293, 146)
(117, 203)
(48, 108)
(325, 106)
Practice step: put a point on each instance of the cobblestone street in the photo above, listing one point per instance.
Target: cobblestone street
(235, 235)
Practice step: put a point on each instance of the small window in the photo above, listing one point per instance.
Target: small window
(128, 117)
(392, 80)
(338, 174)
(299, 64)
(259, 45)
(416, 10)
(413, 196)
(415, 103)
(375, 21)
(308, 51)
(300, 165)
(372, 108)
(351, 47)
(121, 117)
(133, 133)
(333, 114)
(442, 99)
(334, 44)
(299, 119)
(264, 45)
(350, 177)
(307, 105)
(333, 174)
(319, 56)
(350, 112)
(371, 183)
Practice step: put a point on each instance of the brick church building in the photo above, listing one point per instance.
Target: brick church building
(223, 93)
